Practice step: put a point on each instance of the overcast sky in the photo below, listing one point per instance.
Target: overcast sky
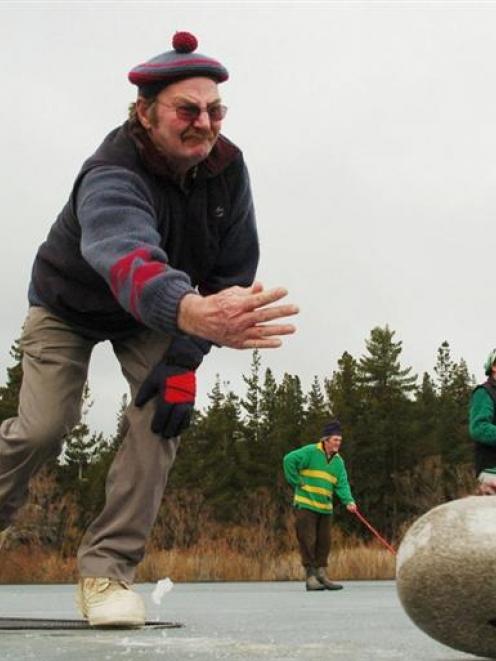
(369, 129)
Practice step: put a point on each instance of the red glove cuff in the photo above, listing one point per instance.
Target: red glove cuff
(180, 389)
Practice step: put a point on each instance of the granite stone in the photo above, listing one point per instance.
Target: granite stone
(446, 574)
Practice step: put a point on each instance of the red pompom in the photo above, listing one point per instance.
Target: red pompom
(184, 42)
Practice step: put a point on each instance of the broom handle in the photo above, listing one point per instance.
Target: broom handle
(374, 531)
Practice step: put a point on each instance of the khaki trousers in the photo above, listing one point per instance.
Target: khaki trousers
(313, 531)
(55, 369)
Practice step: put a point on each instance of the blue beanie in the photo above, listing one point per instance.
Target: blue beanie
(174, 65)
(332, 428)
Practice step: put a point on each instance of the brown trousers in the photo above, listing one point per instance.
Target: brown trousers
(313, 531)
(55, 369)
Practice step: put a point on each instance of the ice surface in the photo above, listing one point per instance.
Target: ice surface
(233, 622)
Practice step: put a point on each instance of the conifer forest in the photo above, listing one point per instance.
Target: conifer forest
(405, 444)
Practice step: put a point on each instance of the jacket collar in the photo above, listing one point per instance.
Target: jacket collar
(223, 154)
(320, 446)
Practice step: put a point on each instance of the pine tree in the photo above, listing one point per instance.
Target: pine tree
(79, 445)
(424, 418)
(380, 371)
(222, 454)
(317, 412)
(264, 455)
(385, 438)
(444, 368)
(9, 394)
(343, 391)
(289, 415)
(346, 402)
(122, 423)
(103, 453)
(460, 449)
(268, 404)
(251, 402)
(287, 433)
(454, 385)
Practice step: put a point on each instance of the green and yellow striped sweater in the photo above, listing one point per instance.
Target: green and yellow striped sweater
(315, 478)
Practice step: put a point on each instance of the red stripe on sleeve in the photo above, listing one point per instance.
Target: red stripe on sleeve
(120, 271)
(141, 276)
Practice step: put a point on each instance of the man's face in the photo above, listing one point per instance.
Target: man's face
(185, 141)
(332, 444)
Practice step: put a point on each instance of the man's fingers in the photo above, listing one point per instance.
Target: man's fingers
(273, 343)
(269, 330)
(253, 289)
(263, 315)
(239, 317)
(264, 298)
(256, 287)
(270, 296)
(266, 337)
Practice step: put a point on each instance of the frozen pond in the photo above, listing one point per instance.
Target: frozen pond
(234, 621)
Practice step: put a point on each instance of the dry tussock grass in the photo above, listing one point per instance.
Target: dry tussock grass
(219, 563)
(207, 561)
(35, 565)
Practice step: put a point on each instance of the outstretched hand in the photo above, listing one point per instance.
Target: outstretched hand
(238, 317)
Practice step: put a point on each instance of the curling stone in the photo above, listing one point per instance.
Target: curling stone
(446, 574)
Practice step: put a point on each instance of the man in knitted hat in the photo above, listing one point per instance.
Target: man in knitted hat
(482, 428)
(316, 472)
(155, 251)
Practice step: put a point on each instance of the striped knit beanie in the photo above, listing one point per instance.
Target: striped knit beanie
(169, 67)
(332, 428)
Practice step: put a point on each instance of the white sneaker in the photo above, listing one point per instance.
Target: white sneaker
(107, 602)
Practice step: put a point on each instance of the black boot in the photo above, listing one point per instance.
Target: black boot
(312, 582)
(326, 583)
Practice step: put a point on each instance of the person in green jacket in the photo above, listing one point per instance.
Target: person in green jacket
(482, 428)
(315, 472)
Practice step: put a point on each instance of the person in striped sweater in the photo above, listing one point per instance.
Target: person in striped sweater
(317, 471)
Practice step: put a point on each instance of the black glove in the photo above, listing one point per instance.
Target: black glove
(173, 382)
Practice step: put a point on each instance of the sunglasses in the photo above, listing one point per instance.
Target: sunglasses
(190, 112)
